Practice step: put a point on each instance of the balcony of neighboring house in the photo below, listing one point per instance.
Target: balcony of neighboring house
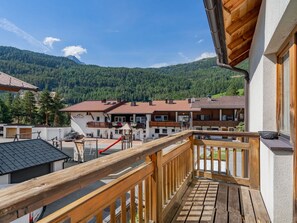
(182, 178)
(98, 124)
(170, 119)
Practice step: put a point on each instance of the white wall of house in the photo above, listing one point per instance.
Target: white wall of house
(5, 179)
(48, 133)
(277, 183)
(79, 122)
(275, 22)
(58, 165)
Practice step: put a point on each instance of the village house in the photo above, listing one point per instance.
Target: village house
(154, 119)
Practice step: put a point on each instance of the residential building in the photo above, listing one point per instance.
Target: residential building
(90, 117)
(154, 119)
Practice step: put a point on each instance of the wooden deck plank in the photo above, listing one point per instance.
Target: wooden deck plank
(221, 216)
(259, 207)
(246, 203)
(222, 197)
(211, 201)
(233, 200)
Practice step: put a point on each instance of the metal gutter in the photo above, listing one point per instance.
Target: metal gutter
(215, 18)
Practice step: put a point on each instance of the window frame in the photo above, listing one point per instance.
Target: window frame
(289, 47)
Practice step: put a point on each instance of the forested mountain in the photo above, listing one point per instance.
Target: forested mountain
(78, 82)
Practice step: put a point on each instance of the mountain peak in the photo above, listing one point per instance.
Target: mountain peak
(75, 59)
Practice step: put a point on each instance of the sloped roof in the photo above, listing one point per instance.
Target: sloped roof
(92, 106)
(9, 83)
(24, 154)
(146, 108)
(232, 24)
(227, 102)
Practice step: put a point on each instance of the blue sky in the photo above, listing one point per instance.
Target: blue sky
(130, 33)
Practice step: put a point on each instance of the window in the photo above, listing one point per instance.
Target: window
(98, 119)
(120, 119)
(286, 89)
(285, 114)
(161, 118)
(98, 133)
(157, 130)
(173, 130)
(164, 131)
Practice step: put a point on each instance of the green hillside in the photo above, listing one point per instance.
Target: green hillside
(83, 82)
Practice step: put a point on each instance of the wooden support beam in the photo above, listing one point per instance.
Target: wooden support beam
(243, 49)
(231, 5)
(245, 19)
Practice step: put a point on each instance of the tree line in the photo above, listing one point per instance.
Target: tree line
(89, 82)
(33, 109)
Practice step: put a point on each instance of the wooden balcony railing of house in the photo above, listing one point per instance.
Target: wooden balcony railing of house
(153, 190)
(216, 123)
(99, 125)
(165, 124)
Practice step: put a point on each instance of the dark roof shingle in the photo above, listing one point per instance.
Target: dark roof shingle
(24, 154)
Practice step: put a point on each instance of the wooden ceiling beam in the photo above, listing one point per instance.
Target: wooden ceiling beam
(231, 5)
(243, 48)
(252, 15)
(239, 59)
(247, 35)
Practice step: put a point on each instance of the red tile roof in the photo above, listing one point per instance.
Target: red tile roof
(227, 102)
(9, 83)
(146, 108)
(92, 106)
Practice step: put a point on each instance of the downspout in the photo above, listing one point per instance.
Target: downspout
(215, 21)
(246, 90)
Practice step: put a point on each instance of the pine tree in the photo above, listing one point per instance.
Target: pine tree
(45, 103)
(4, 113)
(29, 107)
(57, 104)
(17, 108)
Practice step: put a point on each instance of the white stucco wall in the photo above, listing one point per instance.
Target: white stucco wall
(5, 179)
(275, 22)
(48, 133)
(79, 122)
(276, 183)
(58, 165)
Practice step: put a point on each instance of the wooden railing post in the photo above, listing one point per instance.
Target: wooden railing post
(192, 161)
(254, 162)
(157, 182)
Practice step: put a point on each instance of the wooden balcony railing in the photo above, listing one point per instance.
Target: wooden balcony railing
(99, 125)
(216, 123)
(149, 192)
(165, 124)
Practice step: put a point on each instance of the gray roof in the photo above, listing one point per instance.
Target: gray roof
(224, 102)
(24, 154)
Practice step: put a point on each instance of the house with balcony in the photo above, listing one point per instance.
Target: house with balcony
(90, 118)
(223, 113)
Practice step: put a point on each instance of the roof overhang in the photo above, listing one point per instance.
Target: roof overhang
(9, 83)
(232, 24)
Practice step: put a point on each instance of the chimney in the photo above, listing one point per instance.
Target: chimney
(170, 101)
(189, 100)
(209, 97)
(119, 100)
(103, 100)
(166, 101)
(133, 103)
(150, 103)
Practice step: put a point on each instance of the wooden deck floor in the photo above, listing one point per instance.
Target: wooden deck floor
(209, 201)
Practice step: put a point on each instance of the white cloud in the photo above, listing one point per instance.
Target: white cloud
(205, 55)
(158, 65)
(10, 27)
(181, 54)
(200, 41)
(74, 51)
(49, 41)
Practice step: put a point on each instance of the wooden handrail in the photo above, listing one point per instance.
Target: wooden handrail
(26, 197)
(165, 179)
